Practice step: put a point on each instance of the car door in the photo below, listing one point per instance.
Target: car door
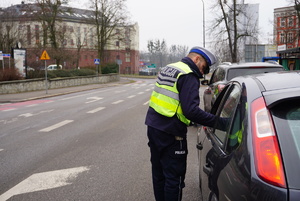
(220, 142)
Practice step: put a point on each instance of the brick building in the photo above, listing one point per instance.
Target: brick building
(76, 38)
(287, 36)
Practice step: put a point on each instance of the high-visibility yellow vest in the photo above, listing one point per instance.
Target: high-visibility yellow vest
(165, 96)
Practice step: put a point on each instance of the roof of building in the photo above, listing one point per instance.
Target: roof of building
(34, 10)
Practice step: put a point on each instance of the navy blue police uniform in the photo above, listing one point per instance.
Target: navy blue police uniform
(167, 137)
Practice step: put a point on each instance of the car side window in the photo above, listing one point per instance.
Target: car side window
(214, 76)
(218, 75)
(226, 113)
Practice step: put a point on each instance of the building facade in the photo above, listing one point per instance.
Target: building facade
(255, 53)
(287, 36)
(75, 35)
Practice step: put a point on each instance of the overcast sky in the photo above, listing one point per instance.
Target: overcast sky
(179, 22)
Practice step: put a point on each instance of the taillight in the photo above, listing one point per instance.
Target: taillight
(267, 155)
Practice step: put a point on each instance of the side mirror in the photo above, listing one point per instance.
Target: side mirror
(204, 82)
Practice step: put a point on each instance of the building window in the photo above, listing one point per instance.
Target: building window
(72, 42)
(282, 38)
(85, 37)
(282, 22)
(91, 38)
(118, 43)
(37, 34)
(290, 37)
(290, 22)
(28, 35)
(127, 59)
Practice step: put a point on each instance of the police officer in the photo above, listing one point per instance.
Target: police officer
(174, 103)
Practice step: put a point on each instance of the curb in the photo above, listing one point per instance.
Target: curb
(68, 92)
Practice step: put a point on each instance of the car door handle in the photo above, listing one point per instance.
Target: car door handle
(207, 169)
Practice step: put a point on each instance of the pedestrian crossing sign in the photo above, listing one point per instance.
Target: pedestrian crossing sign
(44, 56)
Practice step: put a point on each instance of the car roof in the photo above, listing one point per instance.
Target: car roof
(228, 65)
(277, 86)
(279, 80)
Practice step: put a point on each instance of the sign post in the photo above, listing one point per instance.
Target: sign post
(1, 58)
(45, 57)
(97, 62)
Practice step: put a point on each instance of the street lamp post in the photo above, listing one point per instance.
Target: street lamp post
(203, 24)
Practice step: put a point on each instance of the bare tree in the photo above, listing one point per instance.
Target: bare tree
(230, 26)
(54, 33)
(158, 51)
(8, 30)
(177, 52)
(108, 15)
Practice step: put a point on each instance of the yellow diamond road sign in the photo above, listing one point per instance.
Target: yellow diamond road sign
(45, 56)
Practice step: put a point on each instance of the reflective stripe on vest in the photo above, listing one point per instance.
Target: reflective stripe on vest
(165, 96)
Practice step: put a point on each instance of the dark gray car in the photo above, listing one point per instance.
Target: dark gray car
(226, 71)
(256, 156)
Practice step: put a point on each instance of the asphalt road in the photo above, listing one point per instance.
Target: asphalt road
(90, 145)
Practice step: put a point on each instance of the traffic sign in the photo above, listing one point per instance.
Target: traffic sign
(97, 61)
(152, 66)
(44, 56)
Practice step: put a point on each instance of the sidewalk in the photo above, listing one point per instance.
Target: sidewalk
(26, 96)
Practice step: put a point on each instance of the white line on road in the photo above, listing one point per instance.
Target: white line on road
(86, 94)
(55, 126)
(131, 96)
(96, 110)
(44, 181)
(117, 102)
(9, 110)
(141, 92)
(93, 99)
(146, 103)
(26, 115)
(1, 149)
(30, 114)
(32, 105)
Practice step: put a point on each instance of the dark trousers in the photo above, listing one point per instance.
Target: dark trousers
(168, 158)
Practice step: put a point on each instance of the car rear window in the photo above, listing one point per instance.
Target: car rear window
(287, 124)
(235, 72)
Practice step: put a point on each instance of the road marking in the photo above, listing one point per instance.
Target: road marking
(117, 102)
(32, 105)
(44, 181)
(147, 89)
(10, 109)
(30, 114)
(93, 99)
(86, 94)
(96, 110)
(120, 91)
(1, 149)
(131, 96)
(141, 92)
(55, 126)
(26, 115)
(146, 103)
